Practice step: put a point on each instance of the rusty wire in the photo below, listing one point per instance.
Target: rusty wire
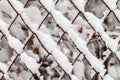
(59, 37)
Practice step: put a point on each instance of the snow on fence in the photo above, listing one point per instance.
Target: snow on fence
(46, 44)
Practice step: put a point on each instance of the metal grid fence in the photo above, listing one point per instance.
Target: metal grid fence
(60, 38)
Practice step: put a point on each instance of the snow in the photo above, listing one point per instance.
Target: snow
(117, 13)
(118, 54)
(80, 4)
(17, 29)
(15, 44)
(73, 77)
(33, 13)
(114, 70)
(63, 6)
(30, 63)
(97, 25)
(79, 42)
(31, 17)
(107, 77)
(96, 64)
(48, 41)
(50, 7)
(61, 59)
(71, 32)
(4, 56)
(11, 40)
(79, 69)
(4, 27)
(111, 43)
(31, 54)
(4, 68)
(17, 5)
(54, 49)
(61, 20)
(111, 4)
(27, 20)
(106, 12)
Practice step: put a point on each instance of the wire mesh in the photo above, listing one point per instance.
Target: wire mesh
(61, 39)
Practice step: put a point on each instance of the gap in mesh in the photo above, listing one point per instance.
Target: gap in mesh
(66, 48)
(81, 27)
(19, 30)
(6, 52)
(67, 9)
(97, 6)
(89, 72)
(33, 47)
(50, 69)
(35, 12)
(81, 68)
(19, 71)
(111, 22)
(98, 48)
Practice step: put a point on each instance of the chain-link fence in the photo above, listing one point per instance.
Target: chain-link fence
(62, 38)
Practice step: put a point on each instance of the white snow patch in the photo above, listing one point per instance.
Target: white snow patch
(80, 4)
(111, 4)
(117, 13)
(61, 20)
(46, 3)
(17, 5)
(30, 63)
(107, 77)
(15, 44)
(73, 77)
(54, 49)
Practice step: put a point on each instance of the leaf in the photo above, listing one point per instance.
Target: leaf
(36, 50)
(80, 30)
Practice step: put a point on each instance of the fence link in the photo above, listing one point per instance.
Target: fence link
(61, 37)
